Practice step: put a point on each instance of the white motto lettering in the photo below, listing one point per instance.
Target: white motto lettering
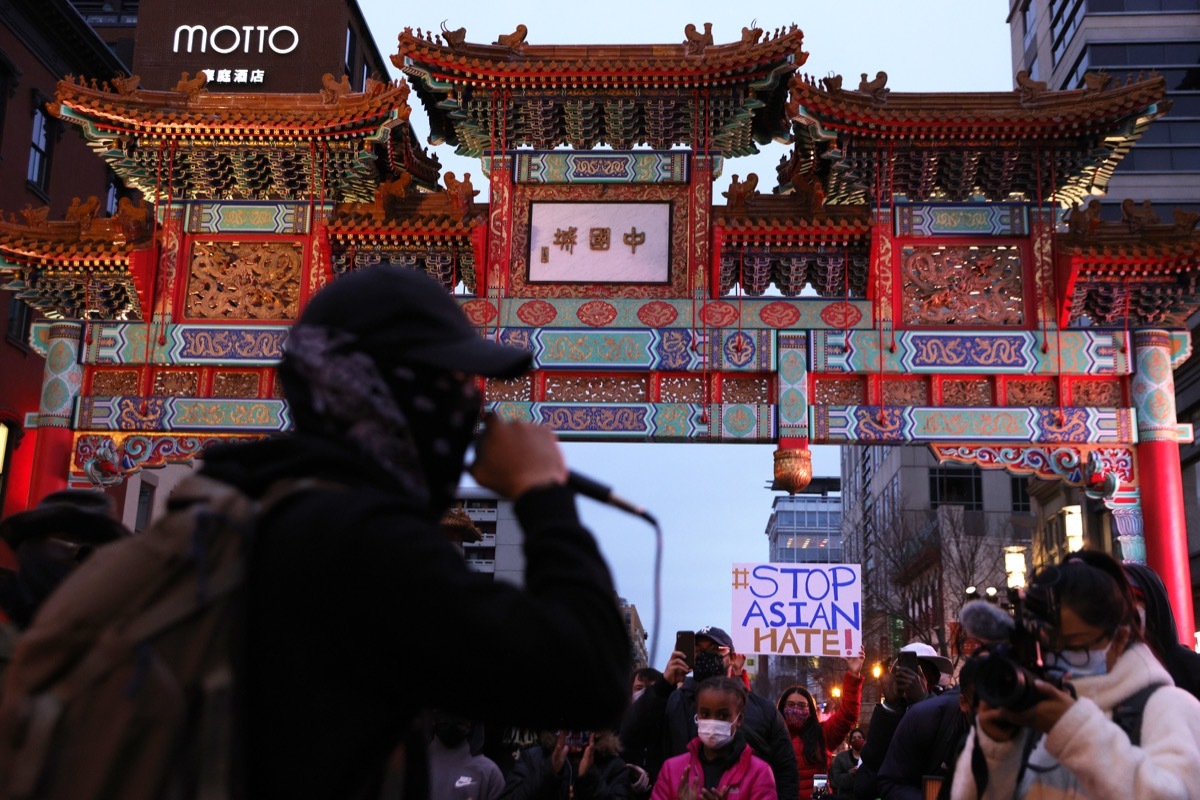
(196, 38)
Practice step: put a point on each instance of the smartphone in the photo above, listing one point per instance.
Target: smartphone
(908, 660)
(820, 785)
(685, 642)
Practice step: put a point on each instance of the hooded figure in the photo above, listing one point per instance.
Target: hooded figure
(352, 586)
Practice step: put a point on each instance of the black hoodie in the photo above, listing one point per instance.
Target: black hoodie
(361, 613)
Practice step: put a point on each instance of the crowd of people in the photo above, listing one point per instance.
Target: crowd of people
(373, 665)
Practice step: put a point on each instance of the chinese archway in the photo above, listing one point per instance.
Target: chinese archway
(919, 270)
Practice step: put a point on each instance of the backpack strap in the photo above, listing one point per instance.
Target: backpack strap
(1128, 713)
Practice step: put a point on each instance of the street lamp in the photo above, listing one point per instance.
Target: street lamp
(836, 692)
(877, 670)
(1014, 565)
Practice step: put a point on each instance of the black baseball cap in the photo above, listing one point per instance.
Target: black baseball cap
(401, 316)
(717, 635)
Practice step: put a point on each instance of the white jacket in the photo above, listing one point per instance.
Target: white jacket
(1086, 755)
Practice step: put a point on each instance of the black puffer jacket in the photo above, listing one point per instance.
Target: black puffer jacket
(361, 613)
(533, 778)
(663, 721)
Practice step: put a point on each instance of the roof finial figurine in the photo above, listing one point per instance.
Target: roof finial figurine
(1185, 221)
(832, 83)
(741, 193)
(696, 41)
(191, 87)
(514, 41)
(84, 212)
(453, 39)
(334, 90)
(1028, 87)
(1138, 219)
(876, 87)
(1096, 81)
(125, 85)
(752, 34)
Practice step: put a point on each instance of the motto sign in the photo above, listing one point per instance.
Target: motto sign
(797, 609)
(234, 38)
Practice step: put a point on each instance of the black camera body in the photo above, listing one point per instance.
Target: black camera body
(1007, 670)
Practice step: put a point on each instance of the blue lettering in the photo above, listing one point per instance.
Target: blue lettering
(854, 621)
(842, 576)
(808, 585)
(777, 613)
(756, 612)
(763, 572)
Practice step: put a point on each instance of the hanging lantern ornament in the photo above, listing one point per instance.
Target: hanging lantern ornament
(793, 469)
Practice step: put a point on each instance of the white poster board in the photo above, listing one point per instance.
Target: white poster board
(797, 609)
(599, 242)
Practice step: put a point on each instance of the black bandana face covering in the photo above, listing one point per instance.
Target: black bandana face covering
(416, 423)
(708, 665)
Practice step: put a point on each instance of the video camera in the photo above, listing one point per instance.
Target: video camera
(1008, 667)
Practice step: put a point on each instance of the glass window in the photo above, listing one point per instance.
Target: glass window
(38, 173)
(956, 487)
(1105, 55)
(1186, 158)
(1020, 495)
(19, 319)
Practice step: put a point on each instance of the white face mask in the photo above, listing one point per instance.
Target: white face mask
(714, 732)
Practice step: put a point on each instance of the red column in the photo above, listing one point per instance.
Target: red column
(1160, 477)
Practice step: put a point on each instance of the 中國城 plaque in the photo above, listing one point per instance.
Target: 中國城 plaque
(599, 242)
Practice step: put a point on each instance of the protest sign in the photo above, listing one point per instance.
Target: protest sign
(797, 609)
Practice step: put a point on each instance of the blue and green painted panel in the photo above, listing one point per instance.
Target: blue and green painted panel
(792, 401)
(602, 167)
(1090, 352)
(924, 425)
(248, 216)
(962, 219)
(672, 350)
(731, 422)
(125, 343)
(181, 414)
(775, 313)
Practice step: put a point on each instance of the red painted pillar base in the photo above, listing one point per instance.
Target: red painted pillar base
(1166, 529)
(51, 462)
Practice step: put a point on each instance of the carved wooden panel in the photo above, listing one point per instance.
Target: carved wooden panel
(967, 392)
(596, 389)
(514, 390)
(1099, 394)
(746, 390)
(906, 393)
(236, 384)
(1032, 393)
(177, 384)
(115, 383)
(834, 392)
(277, 388)
(962, 285)
(682, 389)
(244, 280)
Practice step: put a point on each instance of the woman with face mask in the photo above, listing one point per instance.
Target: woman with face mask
(812, 738)
(1067, 745)
(718, 763)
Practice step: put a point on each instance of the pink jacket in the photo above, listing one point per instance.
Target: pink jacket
(749, 779)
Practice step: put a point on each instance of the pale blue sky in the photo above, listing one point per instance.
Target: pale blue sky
(711, 498)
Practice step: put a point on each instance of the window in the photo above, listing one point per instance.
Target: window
(956, 487)
(40, 151)
(351, 46)
(9, 75)
(145, 506)
(1020, 496)
(19, 319)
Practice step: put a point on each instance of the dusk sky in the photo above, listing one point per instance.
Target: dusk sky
(711, 499)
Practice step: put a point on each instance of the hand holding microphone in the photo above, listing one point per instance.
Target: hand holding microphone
(512, 457)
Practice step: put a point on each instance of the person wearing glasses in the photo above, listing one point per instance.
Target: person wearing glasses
(1068, 744)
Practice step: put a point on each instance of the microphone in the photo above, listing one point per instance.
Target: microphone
(587, 487)
(983, 621)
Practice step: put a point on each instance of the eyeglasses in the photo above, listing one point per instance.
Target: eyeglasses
(796, 704)
(1076, 656)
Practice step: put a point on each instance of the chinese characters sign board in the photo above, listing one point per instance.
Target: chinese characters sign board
(797, 609)
(600, 242)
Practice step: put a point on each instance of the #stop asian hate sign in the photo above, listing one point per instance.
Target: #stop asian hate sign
(797, 609)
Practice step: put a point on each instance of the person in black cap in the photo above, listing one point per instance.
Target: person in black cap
(360, 610)
(49, 541)
(663, 720)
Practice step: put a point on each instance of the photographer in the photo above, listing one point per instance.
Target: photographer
(1053, 744)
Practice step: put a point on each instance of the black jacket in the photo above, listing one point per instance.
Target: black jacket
(533, 778)
(663, 720)
(361, 613)
(925, 743)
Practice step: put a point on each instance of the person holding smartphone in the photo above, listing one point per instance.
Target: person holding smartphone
(662, 722)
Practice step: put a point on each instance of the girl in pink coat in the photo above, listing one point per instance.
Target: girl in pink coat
(718, 765)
